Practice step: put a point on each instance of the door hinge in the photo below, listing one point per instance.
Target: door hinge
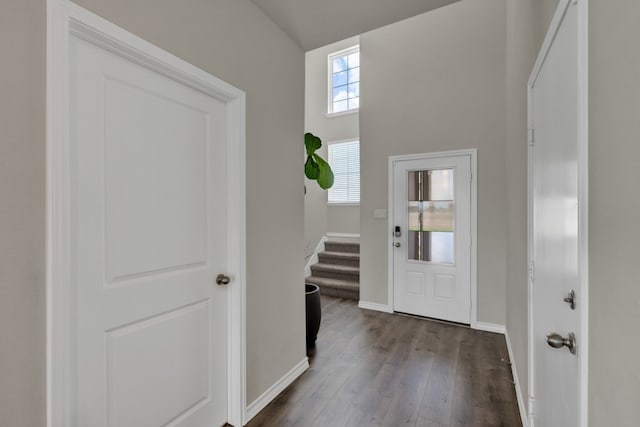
(531, 137)
(532, 271)
(532, 407)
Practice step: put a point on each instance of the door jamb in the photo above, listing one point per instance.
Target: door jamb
(63, 19)
(473, 154)
(583, 198)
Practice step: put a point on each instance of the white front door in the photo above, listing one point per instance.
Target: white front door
(431, 245)
(148, 225)
(555, 229)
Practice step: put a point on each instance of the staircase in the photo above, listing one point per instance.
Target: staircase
(338, 270)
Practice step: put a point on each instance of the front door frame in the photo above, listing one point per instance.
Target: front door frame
(583, 198)
(473, 154)
(64, 18)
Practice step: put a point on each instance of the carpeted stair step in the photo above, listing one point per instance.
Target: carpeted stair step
(348, 247)
(332, 271)
(339, 258)
(336, 288)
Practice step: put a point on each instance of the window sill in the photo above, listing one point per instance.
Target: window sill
(342, 204)
(343, 113)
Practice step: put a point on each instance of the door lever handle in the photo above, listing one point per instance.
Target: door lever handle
(558, 341)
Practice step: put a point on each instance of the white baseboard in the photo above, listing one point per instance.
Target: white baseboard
(352, 235)
(489, 327)
(514, 371)
(375, 306)
(265, 398)
(314, 256)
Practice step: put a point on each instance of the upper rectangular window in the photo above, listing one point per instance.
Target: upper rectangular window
(344, 80)
(344, 159)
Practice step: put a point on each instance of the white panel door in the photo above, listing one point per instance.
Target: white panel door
(554, 229)
(148, 234)
(432, 232)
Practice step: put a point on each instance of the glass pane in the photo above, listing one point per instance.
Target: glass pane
(354, 60)
(339, 64)
(340, 93)
(441, 184)
(354, 103)
(340, 78)
(354, 75)
(340, 106)
(354, 90)
(431, 221)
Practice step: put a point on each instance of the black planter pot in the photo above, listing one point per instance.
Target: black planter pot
(313, 312)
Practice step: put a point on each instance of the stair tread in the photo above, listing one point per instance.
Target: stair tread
(342, 246)
(336, 268)
(333, 283)
(350, 255)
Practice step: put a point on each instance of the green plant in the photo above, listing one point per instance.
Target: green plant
(316, 168)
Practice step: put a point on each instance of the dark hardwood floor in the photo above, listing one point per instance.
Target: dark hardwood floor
(377, 369)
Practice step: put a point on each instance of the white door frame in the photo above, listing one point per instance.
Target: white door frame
(473, 154)
(583, 197)
(63, 19)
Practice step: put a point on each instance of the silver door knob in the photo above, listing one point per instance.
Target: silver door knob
(222, 279)
(397, 244)
(558, 341)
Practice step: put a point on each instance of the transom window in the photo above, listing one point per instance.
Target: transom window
(344, 159)
(344, 80)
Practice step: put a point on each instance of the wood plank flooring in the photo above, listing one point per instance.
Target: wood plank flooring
(377, 369)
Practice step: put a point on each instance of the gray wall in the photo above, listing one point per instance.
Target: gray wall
(343, 219)
(435, 82)
(233, 40)
(320, 219)
(22, 219)
(527, 22)
(614, 233)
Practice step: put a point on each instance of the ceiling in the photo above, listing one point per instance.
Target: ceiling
(316, 23)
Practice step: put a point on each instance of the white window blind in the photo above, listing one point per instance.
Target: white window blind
(344, 159)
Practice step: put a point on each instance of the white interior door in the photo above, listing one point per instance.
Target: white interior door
(432, 237)
(555, 228)
(148, 239)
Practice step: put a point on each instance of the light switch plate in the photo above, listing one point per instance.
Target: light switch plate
(380, 213)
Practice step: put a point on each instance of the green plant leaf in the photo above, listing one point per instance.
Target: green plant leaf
(325, 174)
(311, 143)
(311, 168)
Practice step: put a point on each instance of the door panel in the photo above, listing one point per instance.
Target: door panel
(554, 227)
(432, 254)
(148, 171)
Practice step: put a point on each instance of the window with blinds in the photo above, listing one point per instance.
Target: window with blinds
(344, 159)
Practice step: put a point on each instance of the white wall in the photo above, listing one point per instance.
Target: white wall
(435, 82)
(320, 219)
(233, 40)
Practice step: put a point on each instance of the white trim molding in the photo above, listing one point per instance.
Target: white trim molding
(385, 308)
(519, 392)
(489, 327)
(473, 154)
(314, 256)
(583, 199)
(278, 387)
(64, 19)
